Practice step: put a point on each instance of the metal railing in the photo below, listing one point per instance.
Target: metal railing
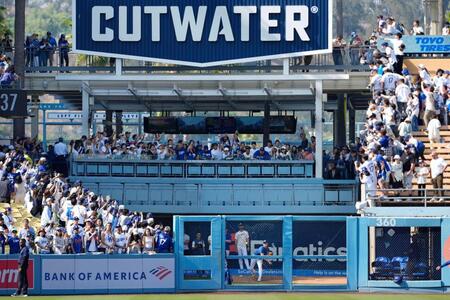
(346, 59)
(96, 64)
(142, 167)
(409, 197)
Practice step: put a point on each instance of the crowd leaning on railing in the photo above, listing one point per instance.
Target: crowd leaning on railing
(392, 158)
(73, 219)
(163, 147)
(41, 52)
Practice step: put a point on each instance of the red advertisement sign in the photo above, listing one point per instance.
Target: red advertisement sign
(9, 274)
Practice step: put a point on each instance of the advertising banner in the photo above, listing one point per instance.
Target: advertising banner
(309, 238)
(9, 274)
(202, 33)
(422, 44)
(107, 273)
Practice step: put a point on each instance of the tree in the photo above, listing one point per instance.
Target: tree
(4, 28)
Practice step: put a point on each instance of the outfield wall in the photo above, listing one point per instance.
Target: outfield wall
(92, 274)
(308, 253)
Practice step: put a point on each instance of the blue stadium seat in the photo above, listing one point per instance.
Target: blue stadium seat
(399, 264)
(381, 267)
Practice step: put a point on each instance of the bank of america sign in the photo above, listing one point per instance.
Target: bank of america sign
(202, 33)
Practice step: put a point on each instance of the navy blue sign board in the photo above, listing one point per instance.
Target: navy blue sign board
(202, 33)
(13, 103)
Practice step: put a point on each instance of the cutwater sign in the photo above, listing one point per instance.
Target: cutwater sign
(202, 33)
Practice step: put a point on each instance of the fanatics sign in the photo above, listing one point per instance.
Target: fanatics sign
(202, 33)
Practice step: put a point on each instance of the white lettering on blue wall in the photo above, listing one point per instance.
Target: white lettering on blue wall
(194, 22)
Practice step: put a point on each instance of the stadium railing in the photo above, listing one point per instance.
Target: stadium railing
(143, 167)
(95, 64)
(408, 197)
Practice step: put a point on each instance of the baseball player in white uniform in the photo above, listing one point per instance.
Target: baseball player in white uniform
(242, 241)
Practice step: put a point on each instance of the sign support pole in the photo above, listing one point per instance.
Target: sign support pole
(319, 128)
(44, 129)
(286, 66)
(119, 63)
(35, 117)
(85, 112)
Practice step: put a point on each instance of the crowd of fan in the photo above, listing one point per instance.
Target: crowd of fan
(137, 146)
(7, 70)
(367, 51)
(41, 52)
(391, 156)
(73, 219)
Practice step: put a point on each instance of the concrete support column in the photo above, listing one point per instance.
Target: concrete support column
(119, 63)
(441, 15)
(119, 122)
(35, 117)
(108, 128)
(340, 128)
(19, 59)
(266, 131)
(286, 66)
(351, 125)
(86, 124)
(319, 128)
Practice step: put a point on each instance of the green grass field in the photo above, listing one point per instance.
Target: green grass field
(254, 296)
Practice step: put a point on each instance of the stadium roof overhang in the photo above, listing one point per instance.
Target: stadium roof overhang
(195, 92)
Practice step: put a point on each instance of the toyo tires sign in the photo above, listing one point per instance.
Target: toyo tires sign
(202, 33)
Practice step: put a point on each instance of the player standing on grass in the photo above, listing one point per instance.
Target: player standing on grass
(261, 251)
(242, 241)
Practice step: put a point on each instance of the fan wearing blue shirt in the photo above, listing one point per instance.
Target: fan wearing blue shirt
(261, 155)
(261, 251)
(206, 153)
(14, 243)
(52, 47)
(164, 242)
(3, 241)
(181, 151)
(77, 242)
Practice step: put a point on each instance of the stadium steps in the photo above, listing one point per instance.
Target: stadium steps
(443, 149)
(20, 214)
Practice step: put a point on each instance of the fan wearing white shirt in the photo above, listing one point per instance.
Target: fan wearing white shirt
(424, 74)
(79, 211)
(434, 133)
(390, 54)
(399, 48)
(438, 166)
(120, 239)
(60, 148)
(417, 29)
(402, 91)
(389, 80)
(375, 83)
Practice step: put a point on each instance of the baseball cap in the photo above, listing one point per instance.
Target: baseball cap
(405, 72)
(397, 157)
(421, 66)
(385, 44)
